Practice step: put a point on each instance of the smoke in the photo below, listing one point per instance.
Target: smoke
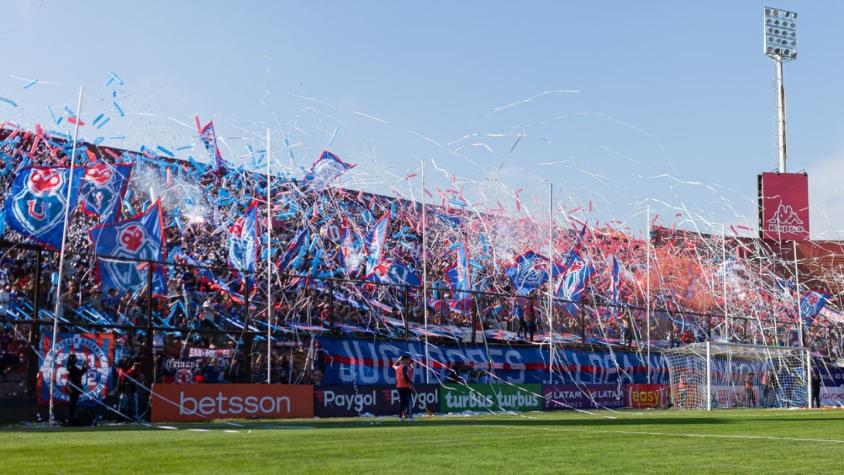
(180, 194)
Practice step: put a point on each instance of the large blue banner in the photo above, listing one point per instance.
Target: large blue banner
(354, 361)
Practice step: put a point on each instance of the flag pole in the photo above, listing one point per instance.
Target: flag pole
(425, 274)
(551, 283)
(724, 280)
(67, 207)
(797, 295)
(269, 266)
(648, 289)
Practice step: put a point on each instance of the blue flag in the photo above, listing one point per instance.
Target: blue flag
(459, 275)
(295, 250)
(376, 242)
(209, 140)
(37, 202)
(390, 272)
(811, 305)
(102, 190)
(243, 241)
(526, 273)
(616, 281)
(140, 238)
(325, 170)
(574, 281)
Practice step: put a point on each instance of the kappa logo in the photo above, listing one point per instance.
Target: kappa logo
(785, 220)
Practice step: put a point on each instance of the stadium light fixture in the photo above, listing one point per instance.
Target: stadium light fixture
(779, 33)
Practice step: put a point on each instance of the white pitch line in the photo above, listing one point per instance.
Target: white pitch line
(681, 434)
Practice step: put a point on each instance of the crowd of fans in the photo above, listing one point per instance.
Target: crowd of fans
(324, 286)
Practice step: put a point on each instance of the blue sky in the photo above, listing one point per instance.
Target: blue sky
(625, 105)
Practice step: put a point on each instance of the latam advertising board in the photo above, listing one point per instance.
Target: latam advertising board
(378, 400)
(784, 206)
(490, 397)
(573, 396)
(643, 396)
(202, 402)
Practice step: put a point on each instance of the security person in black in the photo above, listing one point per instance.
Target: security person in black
(74, 386)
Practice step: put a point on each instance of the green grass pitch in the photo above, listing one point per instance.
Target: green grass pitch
(736, 441)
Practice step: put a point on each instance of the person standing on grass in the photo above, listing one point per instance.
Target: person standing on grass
(74, 385)
(749, 395)
(404, 384)
(816, 388)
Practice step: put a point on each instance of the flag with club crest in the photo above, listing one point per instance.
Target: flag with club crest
(527, 272)
(102, 190)
(575, 278)
(137, 240)
(38, 200)
(811, 305)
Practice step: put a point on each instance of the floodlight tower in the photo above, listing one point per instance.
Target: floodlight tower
(780, 44)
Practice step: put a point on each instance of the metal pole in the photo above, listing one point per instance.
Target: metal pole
(724, 280)
(783, 155)
(269, 266)
(809, 379)
(797, 296)
(405, 311)
(708, 377)
(425, 275)
(247, 343)
(148, 359)
(35, 330)
(551, 283)
(67, 207)
(648, 290)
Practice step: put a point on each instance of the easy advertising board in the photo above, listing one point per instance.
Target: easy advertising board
(202, 402)
(490, 397)
(644, 396)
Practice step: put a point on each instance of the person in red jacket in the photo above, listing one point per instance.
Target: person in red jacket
(404, 384)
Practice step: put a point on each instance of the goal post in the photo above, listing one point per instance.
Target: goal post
(725, 375)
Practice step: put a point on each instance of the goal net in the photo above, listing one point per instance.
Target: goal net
(722, 375)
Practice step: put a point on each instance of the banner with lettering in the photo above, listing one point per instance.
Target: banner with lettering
(378, 400)
(357, 361)
(96, 350)
(490, 397)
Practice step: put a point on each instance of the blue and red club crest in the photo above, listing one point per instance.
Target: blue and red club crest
(37, 201)
(102, 190)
